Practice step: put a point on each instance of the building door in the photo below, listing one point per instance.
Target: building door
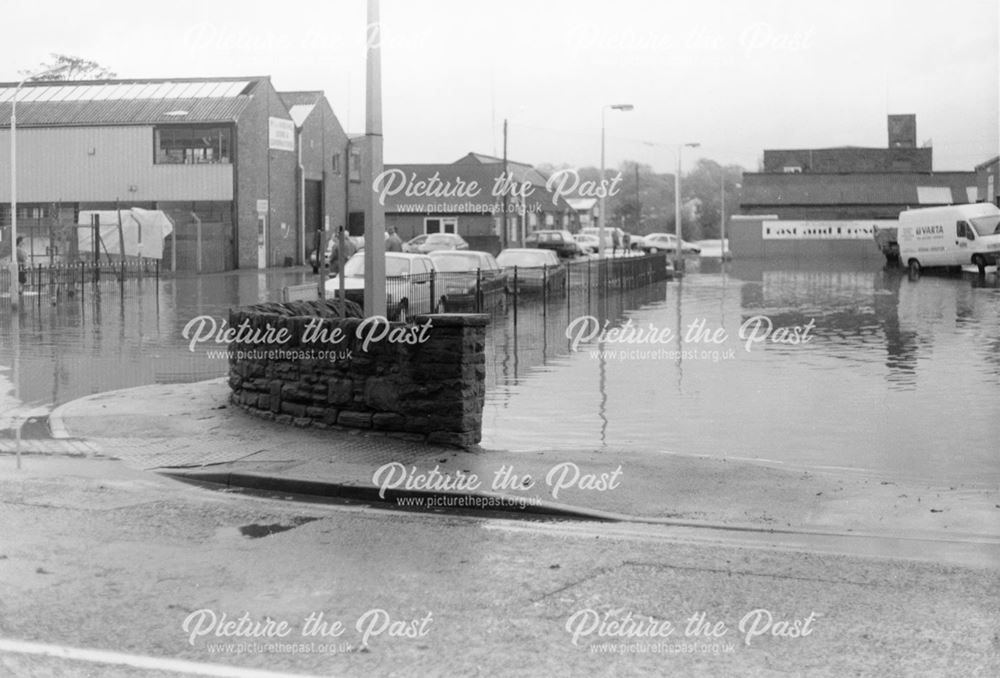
(261, 240)
(313, 218)
(356, 223)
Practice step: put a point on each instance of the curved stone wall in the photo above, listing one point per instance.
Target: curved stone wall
(295, 364)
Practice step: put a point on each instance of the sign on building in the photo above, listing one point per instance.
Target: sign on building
(280, 134)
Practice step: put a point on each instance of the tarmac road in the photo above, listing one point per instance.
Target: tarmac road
(98, 556)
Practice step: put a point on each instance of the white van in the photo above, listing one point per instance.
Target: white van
(956, 235)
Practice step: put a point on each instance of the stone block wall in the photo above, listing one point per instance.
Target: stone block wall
(422, 381)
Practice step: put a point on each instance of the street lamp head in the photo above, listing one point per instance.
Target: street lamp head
(622, 107)
(693, 144)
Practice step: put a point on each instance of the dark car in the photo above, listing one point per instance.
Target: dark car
(468, 279)
(534, 269)
(560, 242)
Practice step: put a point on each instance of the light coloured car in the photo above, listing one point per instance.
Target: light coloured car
(532, 268)
(407, 284)
(609, 237)
(467, 278)
(589, 243)
(413, 244)
(667, 242)
(442, 241)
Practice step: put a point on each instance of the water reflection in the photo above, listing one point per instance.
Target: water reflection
(874, 389)
(119, 336)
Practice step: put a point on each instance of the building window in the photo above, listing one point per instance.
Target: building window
(176, 145)
(336, 163)
(355, 164)
(441, 225)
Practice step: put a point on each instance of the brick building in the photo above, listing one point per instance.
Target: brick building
(254, 171)
(988, 181)
(475, 214)
(828, 202)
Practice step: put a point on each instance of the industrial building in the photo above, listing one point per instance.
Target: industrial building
(828, 202)
(246, 173)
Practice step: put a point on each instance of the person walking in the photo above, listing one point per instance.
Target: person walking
(349, 250)
(616, 242)
(22, 263)
(394, 243)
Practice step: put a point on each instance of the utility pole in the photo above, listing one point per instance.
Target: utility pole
(638, 206)
(374, 230)
(506, 200)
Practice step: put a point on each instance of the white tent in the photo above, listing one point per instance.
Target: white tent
(143, 232)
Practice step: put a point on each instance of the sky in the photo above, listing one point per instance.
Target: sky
(736, 77)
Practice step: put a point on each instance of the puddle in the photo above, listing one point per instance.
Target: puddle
(256, 530)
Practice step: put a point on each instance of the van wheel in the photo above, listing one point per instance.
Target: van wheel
(914, 268)
(979, 263)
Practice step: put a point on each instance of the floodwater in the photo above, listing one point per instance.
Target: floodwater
(893, 377)
(890, 376)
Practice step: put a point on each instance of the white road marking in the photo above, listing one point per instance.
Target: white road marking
(139, 661)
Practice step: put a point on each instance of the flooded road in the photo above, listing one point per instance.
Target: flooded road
(895, 377)
(889, 376)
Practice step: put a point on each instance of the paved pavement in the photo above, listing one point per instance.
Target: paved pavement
(191, 430)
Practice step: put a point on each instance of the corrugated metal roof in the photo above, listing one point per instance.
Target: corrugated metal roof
(126, 103)
(766, 189)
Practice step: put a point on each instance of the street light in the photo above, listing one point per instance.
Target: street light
(677, 203)
(14, 281)
(601, 221)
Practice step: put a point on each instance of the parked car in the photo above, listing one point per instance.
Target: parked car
(534, 268)
(413, 244)
(467, 278)
(561, 242)
(589, 243)
(442, 241)
(667, 242)
(407, 284)
(609, 231)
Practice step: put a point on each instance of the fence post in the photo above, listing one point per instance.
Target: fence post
(545, 292)
(479, 290)
(517, 296)
(568, 288)
(435, 308)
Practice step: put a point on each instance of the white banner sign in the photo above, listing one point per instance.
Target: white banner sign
(280, 134)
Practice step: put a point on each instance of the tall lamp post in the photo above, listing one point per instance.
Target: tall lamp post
(601, 219)
(722, 217)
(375, 302)
(14, 282)
(677, 203)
